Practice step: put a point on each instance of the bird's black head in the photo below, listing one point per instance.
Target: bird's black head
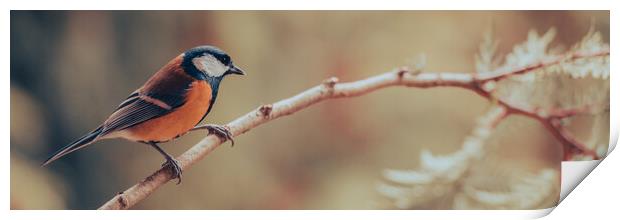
(208, 62)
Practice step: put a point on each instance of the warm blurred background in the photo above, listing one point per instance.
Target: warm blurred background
(69, 70)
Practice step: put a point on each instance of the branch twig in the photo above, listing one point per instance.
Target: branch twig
(572, 146)
(329, 89)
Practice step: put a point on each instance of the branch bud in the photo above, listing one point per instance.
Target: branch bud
(330, 82)
(402, 71)
(265, 110)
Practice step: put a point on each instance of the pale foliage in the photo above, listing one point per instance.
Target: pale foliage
(440, 176)
(459, 180)
(523, 190)
(569, 84)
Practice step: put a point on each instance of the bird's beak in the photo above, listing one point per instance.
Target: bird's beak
(235, 70)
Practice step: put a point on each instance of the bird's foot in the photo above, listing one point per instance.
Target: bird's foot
(174, 167)
(221, 131)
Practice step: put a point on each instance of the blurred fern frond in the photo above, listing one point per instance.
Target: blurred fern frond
(568, 84)
(575, 80)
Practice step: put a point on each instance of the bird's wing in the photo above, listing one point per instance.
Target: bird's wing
(138, 108)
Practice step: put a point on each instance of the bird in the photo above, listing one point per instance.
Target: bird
(168, 105)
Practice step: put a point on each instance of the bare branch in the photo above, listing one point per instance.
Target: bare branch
(572, 146)
(329, 89)
(544, 63)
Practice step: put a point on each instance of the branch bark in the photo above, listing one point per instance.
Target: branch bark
(572, 146)
(329, 89)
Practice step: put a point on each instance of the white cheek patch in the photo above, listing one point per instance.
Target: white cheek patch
(210, 65)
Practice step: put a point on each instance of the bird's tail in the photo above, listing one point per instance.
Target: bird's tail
(76, 145)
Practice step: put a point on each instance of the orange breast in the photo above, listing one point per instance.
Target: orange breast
(179, 121)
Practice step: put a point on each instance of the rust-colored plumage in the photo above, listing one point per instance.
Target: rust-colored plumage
(176, 123)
